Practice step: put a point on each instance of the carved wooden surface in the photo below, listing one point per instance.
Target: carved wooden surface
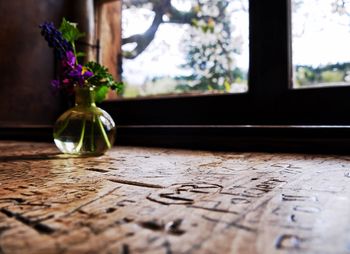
(148, 200)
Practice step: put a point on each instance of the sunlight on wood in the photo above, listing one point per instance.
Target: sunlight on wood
(153, 200)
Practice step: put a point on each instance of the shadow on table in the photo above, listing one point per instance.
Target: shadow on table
(36, 157)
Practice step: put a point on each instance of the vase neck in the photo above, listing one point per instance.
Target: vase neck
(84, 96)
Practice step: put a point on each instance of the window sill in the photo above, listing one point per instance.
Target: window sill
(267, 138)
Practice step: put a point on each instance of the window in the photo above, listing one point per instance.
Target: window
(269, 101)
(185, 47)
(321, 38)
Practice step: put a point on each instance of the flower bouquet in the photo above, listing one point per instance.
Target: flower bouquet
(84, 129)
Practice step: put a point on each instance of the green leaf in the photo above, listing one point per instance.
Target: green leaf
(102, 80)
(69, 31)
(100, 93)
(118, 86)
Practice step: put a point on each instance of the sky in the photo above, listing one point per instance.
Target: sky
(320, 37)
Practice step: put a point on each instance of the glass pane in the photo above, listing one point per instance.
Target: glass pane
(184, 47)
(321, 39)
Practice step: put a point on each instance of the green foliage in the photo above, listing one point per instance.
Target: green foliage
(70, 31)
(333, 73)
(101, 93)
(305, 75)
(102, 80)
(332, 76)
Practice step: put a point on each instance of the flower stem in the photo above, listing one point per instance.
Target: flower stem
(75, 52)
(80, 144)
(103, 133)
(64, 126)
(92, 144)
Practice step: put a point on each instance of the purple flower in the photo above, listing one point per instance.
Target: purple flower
(75, 74)
(80, 74)
(87, 74)
(71, 73)
(70, 59)
(55, 39)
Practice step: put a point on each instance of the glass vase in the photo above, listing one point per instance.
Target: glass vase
(84, 129)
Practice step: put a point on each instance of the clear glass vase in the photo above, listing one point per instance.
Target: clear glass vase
(84, 129)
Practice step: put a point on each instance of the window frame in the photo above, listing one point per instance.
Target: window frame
(269, 100)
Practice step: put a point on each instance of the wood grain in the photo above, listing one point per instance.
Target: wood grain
(109, 34)
(149, 200)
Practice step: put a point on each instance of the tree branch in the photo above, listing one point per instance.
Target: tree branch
(143, 40)
(160, 8)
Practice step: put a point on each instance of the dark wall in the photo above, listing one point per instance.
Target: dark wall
(26, 62)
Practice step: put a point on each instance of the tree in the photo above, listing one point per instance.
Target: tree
(212, 55)
(342, 7)
(210, 47)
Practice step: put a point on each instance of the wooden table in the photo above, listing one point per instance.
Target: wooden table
(154, 200)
